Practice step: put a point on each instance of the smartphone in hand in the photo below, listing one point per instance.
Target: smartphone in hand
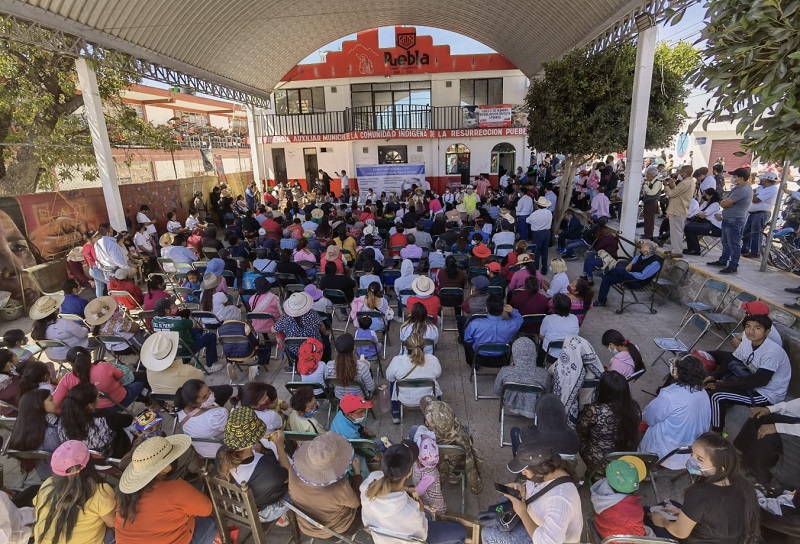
(502, 488)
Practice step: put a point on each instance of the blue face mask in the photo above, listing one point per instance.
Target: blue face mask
(613, 351)
(311, 413)
(695, 469)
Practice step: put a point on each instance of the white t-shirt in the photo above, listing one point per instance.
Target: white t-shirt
(142, 218)
(559, 284)
(394, 513)
(557, 513)
(174, 226)
(345, 183)
(771, 356)
(555, 327)
(191, 222)
(767, 195)
(504, 238)
(142, 240)
(209, 424)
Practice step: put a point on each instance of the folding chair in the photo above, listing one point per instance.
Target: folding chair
(636, 375)
(429, 343)
(376, 314)
(784, 318)
(166, 402)
(675, 344)
(288, 284)
(207, 320)
(182, 295)
(650, 461)
(76, 318)
(724, 318)
(377, 360)
(292, 387)
(294, 342)
(234, 504)
(299, 513)
(499, 353)
(522, 388)
(400, 305)
(241, 361)
(8, 421)
(332, 383)
(628, 539)
(339, 301)
(200, 266)
(107, 339)
(503, 247)
(166, 265)
(121, 295)
(391, 537)
(532, 319)
(422, 383)
(478, 271)
(210, 253)
(709, 242)
(45, 344)
(711, 288)
(674, 278)
(389, 276)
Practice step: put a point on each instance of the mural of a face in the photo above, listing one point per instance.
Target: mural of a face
(15, 254)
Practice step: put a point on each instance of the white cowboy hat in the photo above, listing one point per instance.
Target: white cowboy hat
(100, 310)
(45, 306)
(542, 202)
(298, 304)
(423, 286)
(159, 350)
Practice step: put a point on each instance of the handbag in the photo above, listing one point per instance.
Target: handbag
(502, 515)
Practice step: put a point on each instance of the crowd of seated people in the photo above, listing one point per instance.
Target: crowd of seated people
(379, 254)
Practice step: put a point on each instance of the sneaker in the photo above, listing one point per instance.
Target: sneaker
(717, 263)
(288, 369)
(232, 374)
(215, 368)
(282, 522)
(598, 304)
(252, 373)
(396, 420)
(728, 270)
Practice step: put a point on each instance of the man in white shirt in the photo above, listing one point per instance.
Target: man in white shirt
(756, 374)
(109, 255)
(504, 180)
(504, 237)
(705, 180)
(540, 223)
(524, 209)
(764, 195)
(345, 187)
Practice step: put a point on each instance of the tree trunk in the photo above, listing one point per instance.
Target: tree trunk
(22, 175)
(566, 184)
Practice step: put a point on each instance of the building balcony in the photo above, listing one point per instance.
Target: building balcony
(391, 117)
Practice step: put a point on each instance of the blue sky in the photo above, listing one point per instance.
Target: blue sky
(688, 29)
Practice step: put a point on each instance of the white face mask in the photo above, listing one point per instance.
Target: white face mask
(209, 402)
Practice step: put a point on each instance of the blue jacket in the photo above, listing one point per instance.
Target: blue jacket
(493, 329)
(73, 304)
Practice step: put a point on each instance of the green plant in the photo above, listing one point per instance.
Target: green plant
(581, 106)
(751, 67)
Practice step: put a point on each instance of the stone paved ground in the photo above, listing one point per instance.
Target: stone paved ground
(482, 416)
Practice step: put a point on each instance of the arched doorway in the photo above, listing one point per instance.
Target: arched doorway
(504, 157)
(457, 161)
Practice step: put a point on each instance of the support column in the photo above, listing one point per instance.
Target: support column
(640, 105)
(256, 148)
(93, 107)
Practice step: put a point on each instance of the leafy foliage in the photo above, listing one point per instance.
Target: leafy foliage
(751, 65)
(582, 104)
(43, 136)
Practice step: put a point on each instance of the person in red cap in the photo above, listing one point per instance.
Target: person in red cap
(756, 307)
(349, 422)
(495, 276)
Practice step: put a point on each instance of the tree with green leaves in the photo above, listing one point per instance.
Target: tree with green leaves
(43, 137)
(750, 65)
(581, 106)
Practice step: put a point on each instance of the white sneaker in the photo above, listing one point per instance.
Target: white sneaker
(252, 373)
(215, 368)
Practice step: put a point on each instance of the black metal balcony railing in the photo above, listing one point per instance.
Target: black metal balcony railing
(392, 117)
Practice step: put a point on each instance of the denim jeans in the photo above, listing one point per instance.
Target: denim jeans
(205, 531)
(753, 228)
(591, 262)
(542, 240)
(611, 277)
(446, 532)
(208, 341)
(100, 284)
(732, 230)
(522, 226)
(571, 245)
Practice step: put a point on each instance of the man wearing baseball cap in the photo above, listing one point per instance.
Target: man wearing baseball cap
(756, 307)
(764, 195)
(734, 214)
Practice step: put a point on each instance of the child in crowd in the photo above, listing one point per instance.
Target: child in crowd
(192, 282)
(425, 474)
(73, 303)
(617, 510)
(365, 332)
(309, 363)
(15, 340)
(369, 276)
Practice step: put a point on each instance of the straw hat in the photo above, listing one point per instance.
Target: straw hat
(159, 350)
(166, 239)
(243, 429)
(317, 213)
(423, 286)
(150, 458)
(508, 217)
(324, 460)
(76, 255)
(332, 252)
(461, 208)
(210, 281)
(524, 258)
(298, 304)
(100, 310)
(542, 202)
(46, 305)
